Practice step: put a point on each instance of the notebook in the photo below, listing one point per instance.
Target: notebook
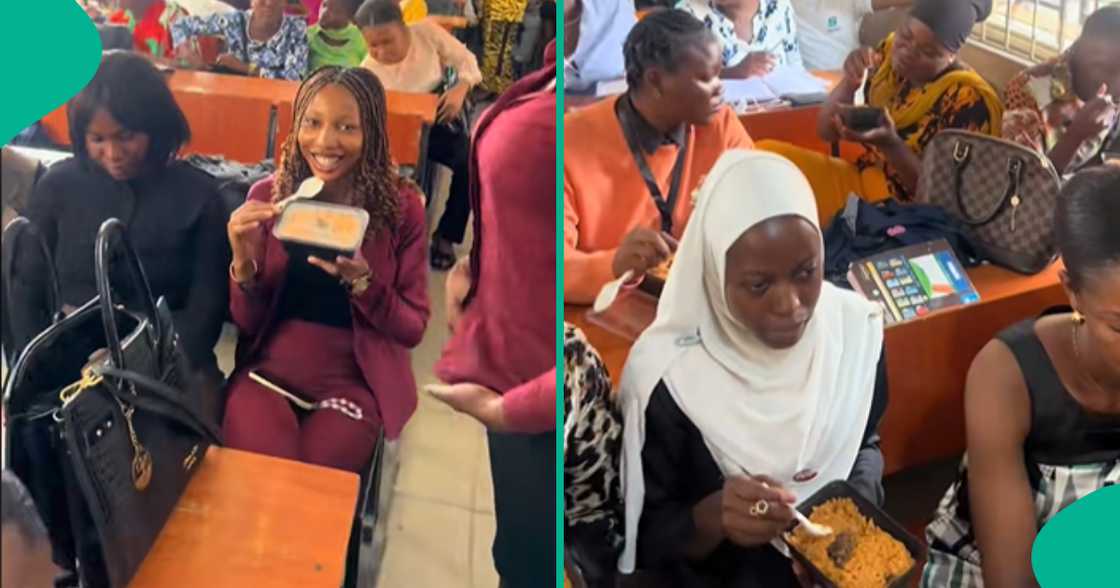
(786, 82)
(912, 282)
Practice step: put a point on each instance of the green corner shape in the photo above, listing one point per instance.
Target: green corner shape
(52, 50)
(1078, 548)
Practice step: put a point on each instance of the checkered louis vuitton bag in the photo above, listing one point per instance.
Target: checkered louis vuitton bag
(1003, 192)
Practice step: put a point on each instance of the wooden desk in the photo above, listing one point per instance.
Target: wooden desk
(927, 361)
(251, 520)
(448, 22)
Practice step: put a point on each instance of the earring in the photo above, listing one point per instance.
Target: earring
(1077, 318)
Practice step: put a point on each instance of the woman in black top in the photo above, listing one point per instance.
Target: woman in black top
(126, 131)
(1042, 408)
(757, 385)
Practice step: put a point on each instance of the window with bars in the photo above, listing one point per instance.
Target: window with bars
(1035, 29)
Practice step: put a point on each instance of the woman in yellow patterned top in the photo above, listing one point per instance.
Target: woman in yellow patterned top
(915, 76)
(1066, 108)
(500, 20)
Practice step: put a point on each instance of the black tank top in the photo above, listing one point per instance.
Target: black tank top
(1062, 431)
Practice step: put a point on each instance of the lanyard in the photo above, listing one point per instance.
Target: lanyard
(664, 206)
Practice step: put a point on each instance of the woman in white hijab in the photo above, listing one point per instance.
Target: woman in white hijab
(756, 385)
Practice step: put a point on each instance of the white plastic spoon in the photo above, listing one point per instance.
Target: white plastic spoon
(813, 529)
(308, 188)
(610, 291)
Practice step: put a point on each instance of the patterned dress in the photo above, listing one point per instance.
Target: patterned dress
(501, 20)
(1069, 454)
(775, 31)
(592, 443)
(282, 57)
(1040, 106)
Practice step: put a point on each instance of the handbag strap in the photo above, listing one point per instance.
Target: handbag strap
(962, 156)
(163, 400)
(110, 231)
(9, 251)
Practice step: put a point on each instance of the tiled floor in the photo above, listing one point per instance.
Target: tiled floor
(441, 513)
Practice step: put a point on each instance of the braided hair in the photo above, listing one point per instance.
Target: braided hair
(376, 182)
(660, 40)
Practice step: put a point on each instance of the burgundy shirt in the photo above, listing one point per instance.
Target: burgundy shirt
(389, 318)
(506, 337)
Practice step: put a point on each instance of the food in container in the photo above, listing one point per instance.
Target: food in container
(322, 229)
(868, 549)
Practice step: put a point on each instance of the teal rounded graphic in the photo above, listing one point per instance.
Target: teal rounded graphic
(51, 50)
(1079, 547)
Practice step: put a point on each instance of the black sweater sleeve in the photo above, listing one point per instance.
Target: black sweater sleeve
(867, 473)
(199, 321)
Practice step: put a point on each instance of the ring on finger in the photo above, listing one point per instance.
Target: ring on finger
(760, 508)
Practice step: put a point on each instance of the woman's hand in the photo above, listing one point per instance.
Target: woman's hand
(346, 269)
(229, 61)
(857, 63)
(455, 290)
(642, 250)
(187, 55)
(474, 400)
(760, 63)
(755, 510)
(451, 102)
(246, 238)
(1094, 117)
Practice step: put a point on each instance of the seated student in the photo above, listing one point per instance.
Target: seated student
(336, 40)
(329, 328)
(1053, 382)
(415, 58)
(755, 35)
(828, 30)
(1066, 107)
(918, 79)
(26, 560)
(621, 194)
(593, 37)
(261, 41)
(126, 131)
(757, 384)
(1041, 410)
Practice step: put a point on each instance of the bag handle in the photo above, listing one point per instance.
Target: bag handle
(962, 156)
(163, 400)
(9, 244)
(110, 229)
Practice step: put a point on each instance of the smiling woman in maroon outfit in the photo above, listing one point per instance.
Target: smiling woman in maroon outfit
(329, 329)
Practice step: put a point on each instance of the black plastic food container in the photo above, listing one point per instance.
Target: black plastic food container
(842, 489)
(863, 118)
(323, 243)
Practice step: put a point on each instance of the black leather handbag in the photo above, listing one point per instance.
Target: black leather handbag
(102, 427)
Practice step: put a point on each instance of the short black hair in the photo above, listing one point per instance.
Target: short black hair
(374, 13)
(348, 6)
(661, 40)
(1103, 22)
(136, 94)
(1086, 221)
(18, 509)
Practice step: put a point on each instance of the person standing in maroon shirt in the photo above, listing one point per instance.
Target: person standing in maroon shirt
(500, 364)
(329, 329)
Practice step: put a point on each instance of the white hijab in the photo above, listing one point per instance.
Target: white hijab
(760, 410)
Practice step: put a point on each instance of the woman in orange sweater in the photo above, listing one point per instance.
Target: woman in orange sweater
(632, 163)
